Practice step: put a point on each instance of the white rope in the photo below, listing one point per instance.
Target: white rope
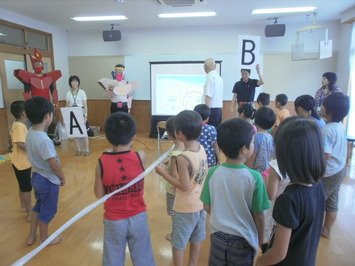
(85, 211)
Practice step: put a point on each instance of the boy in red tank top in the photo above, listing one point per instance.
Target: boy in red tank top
(125, 217)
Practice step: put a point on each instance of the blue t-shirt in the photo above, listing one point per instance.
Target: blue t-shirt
(207, 138)
(264, 148)
(320, 122)
(334, 144)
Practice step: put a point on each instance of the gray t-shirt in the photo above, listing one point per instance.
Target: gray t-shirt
(234, 193)
(39, 149)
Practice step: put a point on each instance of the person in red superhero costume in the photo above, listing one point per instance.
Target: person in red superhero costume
(40, 84)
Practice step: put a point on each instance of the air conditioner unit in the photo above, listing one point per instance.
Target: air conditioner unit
(179, 2)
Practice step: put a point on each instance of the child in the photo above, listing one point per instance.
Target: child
(275, 185)
(263, 99)
(125, 216)
(208, 138)
(247, 112)
(263, 142)
(172, 168)
(189, 217)
(47, 174)
(236, 198)
(298, 211)
(282, 113)
(304, 107)
(18, 156)
(335, 107)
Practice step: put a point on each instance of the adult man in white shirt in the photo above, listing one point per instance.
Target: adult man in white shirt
(213, 92)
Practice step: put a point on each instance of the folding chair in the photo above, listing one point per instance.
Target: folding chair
(161, 125)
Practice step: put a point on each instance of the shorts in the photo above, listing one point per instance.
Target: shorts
(135, 232)
(46, 194)
(216, 117)
(23, 178)
(331, 185)
(188, 227)
(170, 198)
(230, 250)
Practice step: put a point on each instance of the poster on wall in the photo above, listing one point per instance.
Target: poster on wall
(248, 51)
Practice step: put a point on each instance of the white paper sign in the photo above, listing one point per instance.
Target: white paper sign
(74, 122)
(248, 53)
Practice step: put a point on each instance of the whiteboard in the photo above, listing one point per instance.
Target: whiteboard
(177, 86)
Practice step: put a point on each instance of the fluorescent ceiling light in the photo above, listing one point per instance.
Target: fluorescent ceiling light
(99, 18)
(187, 15)
(283, 10)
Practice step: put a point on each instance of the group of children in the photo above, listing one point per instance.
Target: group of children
(236, 196)
(33, 150)
(233, 193)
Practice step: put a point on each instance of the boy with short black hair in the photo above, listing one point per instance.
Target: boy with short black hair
(18, 156)
(236, 229)
(125, 217)
(208, 137)
(47, 174)
(282, 113)
(189, 217)
(335, 107)
(263, 142)
(263, 99)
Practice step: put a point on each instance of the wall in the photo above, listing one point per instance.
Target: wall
(140, 46)
(99, 110)
(90, 69)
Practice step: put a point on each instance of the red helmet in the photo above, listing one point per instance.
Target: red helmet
(37, 62)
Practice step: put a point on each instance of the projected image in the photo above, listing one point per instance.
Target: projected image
(175, 93)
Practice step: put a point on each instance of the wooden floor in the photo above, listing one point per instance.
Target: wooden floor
(82, 244)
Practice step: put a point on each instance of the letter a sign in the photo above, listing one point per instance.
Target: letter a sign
(74, 122)
(248, 51)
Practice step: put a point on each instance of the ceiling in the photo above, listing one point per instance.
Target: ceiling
(143, 13)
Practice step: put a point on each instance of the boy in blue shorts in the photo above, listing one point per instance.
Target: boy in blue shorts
(235, 197)
(47, 174)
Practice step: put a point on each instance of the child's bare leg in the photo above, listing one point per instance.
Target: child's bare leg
(195, 248)
(86, 144)
(43, 232)
(178, 256)
(169, 236)
(329, 220)
(22, 201)
(77, 144)
(27, 201)
(33, 229)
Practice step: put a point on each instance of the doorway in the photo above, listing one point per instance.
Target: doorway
(12, 89)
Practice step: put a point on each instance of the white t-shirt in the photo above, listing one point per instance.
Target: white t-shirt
(334, 144)
(214, 89)
(77, 99)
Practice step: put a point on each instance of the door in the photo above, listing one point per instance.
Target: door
(12, 89)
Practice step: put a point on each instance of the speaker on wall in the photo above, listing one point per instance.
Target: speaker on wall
(111, 35)
(275, 30)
